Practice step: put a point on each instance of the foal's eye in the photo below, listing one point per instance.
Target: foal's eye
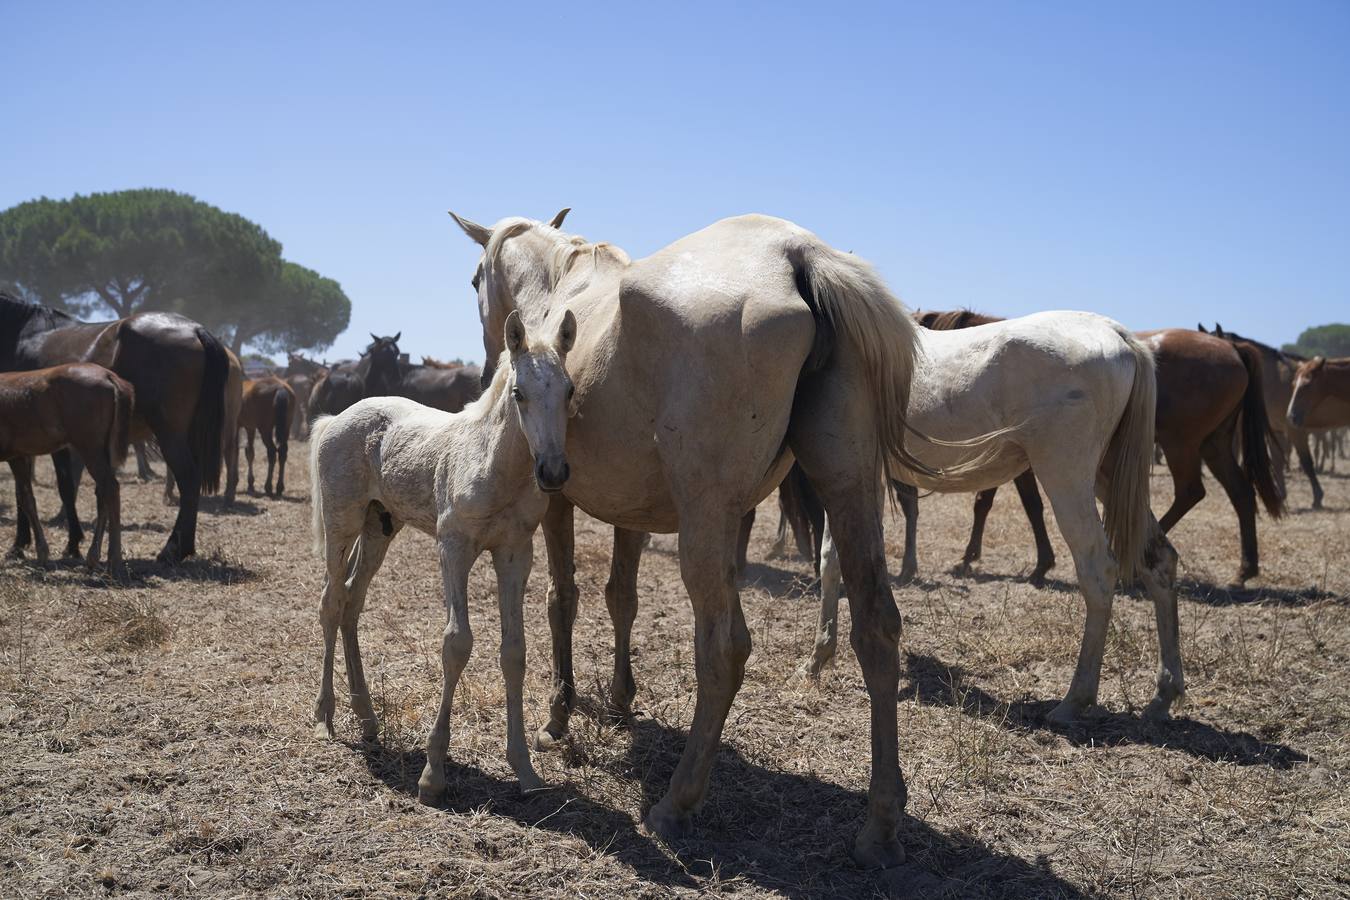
(516, 393)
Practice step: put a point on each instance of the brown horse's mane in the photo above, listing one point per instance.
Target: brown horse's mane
(954, 319)
(1220, 331)
(16, 313)
(433, 363)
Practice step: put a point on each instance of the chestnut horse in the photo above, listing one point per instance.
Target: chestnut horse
(269, 408)
(1208, 389)
(301, 374)
(1321, 397)
(79, 405)
(179, 372)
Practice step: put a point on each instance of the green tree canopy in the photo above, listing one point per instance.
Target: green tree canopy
(130, 251)
(1324, 340)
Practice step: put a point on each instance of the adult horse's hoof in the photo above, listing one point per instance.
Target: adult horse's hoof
(663, 821)
(430, 793)
(72, 551)
(874, 850)
(1066, 713)
(963, 569)
(324, 731)
(908, 574)
(15, 552)
(533, 784)
(1158, 710)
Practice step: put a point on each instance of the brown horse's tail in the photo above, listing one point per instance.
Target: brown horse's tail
(281, 419)
(208, 419)
(119, 431)
(1125, 508)
(1256, 459)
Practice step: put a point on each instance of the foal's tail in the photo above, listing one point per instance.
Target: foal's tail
(119, 431)
(316, 430)
(850, 301)
(1126, 505)
(1256, 461)
(281, 419)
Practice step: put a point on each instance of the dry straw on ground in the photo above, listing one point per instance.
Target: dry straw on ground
(156, 737)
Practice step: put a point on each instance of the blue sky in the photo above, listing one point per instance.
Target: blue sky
(1157, 162)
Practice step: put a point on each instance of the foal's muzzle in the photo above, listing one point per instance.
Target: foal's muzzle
(551, 475)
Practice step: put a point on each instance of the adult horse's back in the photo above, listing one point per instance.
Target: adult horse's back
(700, 372)
(179, 371)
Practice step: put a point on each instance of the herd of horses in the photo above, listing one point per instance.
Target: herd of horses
(674, 393)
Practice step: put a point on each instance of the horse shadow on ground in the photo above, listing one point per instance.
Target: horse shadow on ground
(936, 683)
(215, 505)
(782, 831)
(1215, 595)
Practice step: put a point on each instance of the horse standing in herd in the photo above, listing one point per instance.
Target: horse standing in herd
(268, 409)
(179, 373)
(375, 374)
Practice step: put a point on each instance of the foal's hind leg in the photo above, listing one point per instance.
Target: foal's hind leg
(457, 555)
(341, 533)
(22, 467)
(271, 449)
(376, 535)
(1159, 575)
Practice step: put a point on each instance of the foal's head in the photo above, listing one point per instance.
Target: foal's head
(1310, 389)
(541, 393)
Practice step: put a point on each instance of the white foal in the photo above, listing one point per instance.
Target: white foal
(475, 480)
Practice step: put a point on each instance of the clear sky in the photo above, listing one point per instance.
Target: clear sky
(1161, 163)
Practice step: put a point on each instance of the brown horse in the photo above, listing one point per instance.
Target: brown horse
(179, 372)
(300, 374)
(1208, 388)
(1321, 397)
(375, 374)
(79, 405)
(269, 407)
(433, 363)
(442, 387)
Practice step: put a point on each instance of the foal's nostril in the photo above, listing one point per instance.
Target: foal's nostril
(551, 477)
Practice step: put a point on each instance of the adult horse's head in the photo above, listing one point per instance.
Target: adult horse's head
(382, 358)
(1310, 389)
(541, 393)
(518, 270)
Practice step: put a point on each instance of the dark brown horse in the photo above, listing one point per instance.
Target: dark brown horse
(80, 405)
(301, 374)
(179, 372)
(375, 374)
(268, 407)
(1210, 394)
(447, 388)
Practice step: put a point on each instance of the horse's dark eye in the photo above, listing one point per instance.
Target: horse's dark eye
(476, 277)
(516, 393)
(571, 391)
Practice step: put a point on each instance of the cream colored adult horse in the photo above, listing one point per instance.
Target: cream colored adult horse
(700, 372)
(1073, 394)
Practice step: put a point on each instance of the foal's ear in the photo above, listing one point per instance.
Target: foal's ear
(476, 232)
(515, 333)
(557, 220)
(567, 333)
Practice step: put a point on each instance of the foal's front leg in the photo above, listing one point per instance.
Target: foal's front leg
(512, 563)
(457, 554)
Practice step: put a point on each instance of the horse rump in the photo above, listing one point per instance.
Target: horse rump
(208, 419)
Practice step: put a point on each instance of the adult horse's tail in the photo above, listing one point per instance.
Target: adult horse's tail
(208, 419)
(850, 301)
(1256, 459)
(1125, 507)
(316, 430)
(281, 420)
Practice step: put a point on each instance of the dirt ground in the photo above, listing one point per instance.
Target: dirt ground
(157, 737)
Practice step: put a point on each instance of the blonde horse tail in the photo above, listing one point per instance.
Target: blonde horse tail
(1126, 505)
(316, 430)
(849, 299)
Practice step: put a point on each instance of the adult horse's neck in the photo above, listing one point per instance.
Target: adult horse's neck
(22, 322)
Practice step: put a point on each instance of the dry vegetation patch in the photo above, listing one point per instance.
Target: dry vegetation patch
(156, 737)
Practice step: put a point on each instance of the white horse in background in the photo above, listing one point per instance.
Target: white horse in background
(475, 480)
(1074, 394)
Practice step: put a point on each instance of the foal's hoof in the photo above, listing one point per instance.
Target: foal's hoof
(1158, 710)
(324, 731)
(663, 821)
(549, 737)
(873, 850)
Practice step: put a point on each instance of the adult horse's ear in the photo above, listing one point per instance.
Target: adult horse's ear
(1200, 327)
(514, 332)
(477, 233)
(567, 333)
(373, 337)
(1218, 329)
(397, 336)
(557, 220)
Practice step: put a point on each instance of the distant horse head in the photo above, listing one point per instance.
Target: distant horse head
(1311, 387)
(380, 360)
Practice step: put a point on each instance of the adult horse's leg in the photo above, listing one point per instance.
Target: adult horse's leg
(709, 526)
(1188, 487)
(456, 644)
(248, 458)
(984, 501)
(512, 564)
(622, 599)
(1217, 451)
(562, 615)
(1306, 463)
(69, 467)
(144, 471)
(907, 495)
(178, 457)
(271, 448)
(1035, 510)
(743, 541)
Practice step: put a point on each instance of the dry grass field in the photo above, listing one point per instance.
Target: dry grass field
(156, 738)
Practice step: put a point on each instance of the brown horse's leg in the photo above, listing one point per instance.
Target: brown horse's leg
(230, 441)
(1305, 462)
(22, 468)
(182, 541)
(562, 615)
(68, 469)
(1035, 510)
(271, 448)
(1183, 461)
(248, 457)
(984, 501)
(743, 541)
(907, 495)
(1218, 455)
(622, 600)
